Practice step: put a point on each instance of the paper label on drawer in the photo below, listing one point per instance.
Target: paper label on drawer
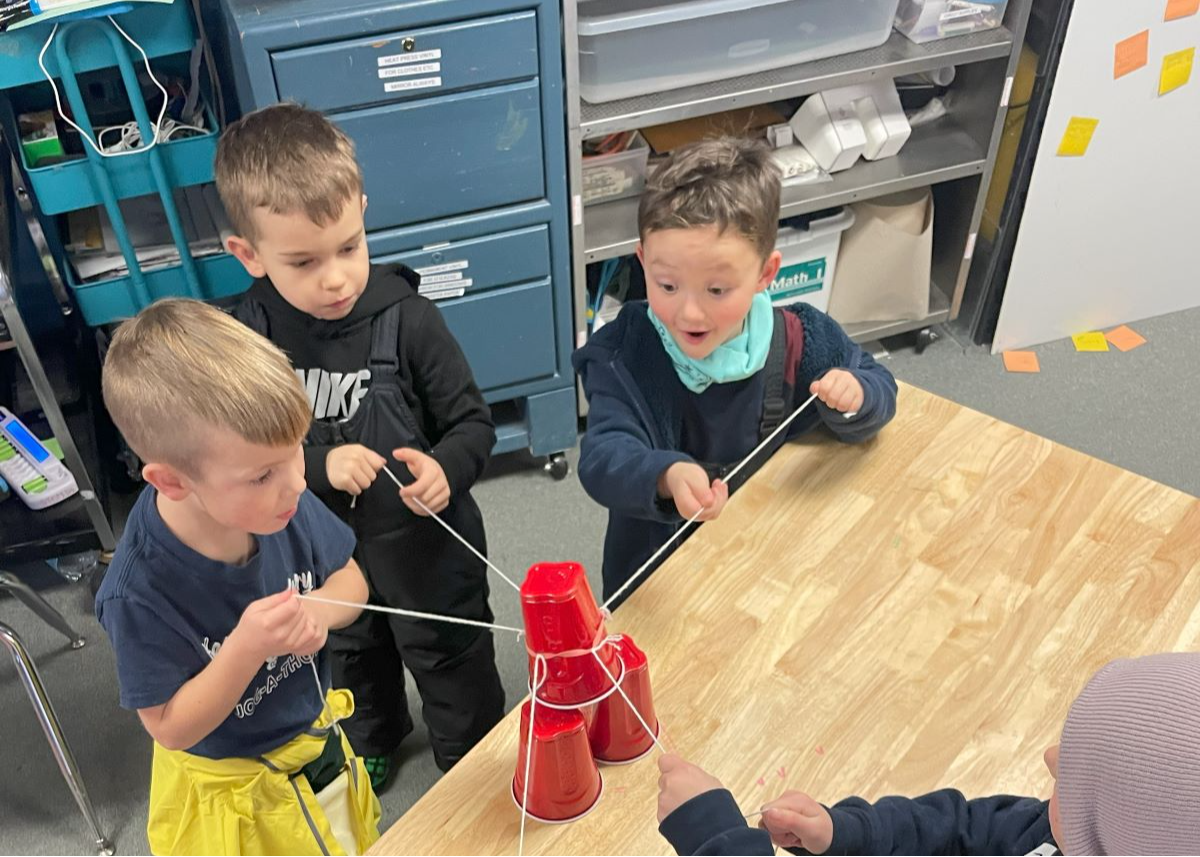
(421, 83)
(460, 265)
(415, 56)
(409, 70)
(431, 279)
(447, 285)
(445, 294)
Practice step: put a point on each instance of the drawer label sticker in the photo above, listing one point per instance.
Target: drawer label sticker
(431, 279)
(419, 83)
(460, 265)
(415, 56)
(409, 70)
(432, 288)
(445, 294)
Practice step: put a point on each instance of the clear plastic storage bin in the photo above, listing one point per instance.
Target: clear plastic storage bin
(927, 20)
(616, 175)
(636, 47)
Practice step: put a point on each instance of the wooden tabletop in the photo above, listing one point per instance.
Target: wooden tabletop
(890, 618)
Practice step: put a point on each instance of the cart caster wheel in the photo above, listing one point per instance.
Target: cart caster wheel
(558, 466)
(925, 338)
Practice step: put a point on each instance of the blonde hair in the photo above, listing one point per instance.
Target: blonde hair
(181, 366)
(727, 182)
(288, 159)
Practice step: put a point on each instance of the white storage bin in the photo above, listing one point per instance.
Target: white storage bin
(636, 47)
(928, 20)
(616, 176)
(809, 261)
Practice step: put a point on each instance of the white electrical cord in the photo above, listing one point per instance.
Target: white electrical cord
(131, 135)
(158, 125)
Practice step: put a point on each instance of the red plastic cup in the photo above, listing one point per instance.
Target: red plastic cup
(564, 782)
(615, 733)
(563, 623)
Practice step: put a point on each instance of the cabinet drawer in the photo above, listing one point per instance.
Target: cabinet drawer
(477, 264)
(423, 160)
(508, 336)
(408, 64)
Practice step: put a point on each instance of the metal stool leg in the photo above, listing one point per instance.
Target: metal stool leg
(41, 607)
(27, 670)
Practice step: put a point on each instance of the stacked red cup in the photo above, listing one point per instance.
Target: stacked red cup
(580, 677)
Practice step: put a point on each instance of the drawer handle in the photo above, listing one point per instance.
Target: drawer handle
(409, 43)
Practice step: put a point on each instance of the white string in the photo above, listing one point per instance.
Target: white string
(451, 531)
(538, 660)
(783, 425)
(629, 702)
(413, 614)
(333, 721)
(295, 585)
(728, 477)
(87, 137)
(619, 680)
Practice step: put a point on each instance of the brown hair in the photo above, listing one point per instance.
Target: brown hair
(285, 158)
(729, 182)
(181, 366)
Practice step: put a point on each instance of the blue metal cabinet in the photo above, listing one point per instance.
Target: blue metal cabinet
(487, 152)
(402, 65)
(456, 110)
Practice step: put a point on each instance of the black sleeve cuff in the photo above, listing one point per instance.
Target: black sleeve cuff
(702, 819)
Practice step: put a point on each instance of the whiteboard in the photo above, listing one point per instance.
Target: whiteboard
(1110, 237)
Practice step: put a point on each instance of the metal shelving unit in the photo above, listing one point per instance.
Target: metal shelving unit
(895, 57)
(954, 155)
(936, 153)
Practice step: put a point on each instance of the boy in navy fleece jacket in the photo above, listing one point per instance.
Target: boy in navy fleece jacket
(684, 386)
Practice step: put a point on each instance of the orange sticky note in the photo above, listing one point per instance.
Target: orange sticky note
(1093, 340)
(1021, 361)
(1176, 70)
(1132, 53)
(1181, 9)
(1125, 338)
(1077, 137)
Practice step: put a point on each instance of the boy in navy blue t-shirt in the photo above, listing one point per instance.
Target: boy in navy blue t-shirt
(215, 651)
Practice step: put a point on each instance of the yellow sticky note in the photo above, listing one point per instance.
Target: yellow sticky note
(1021, 361)
(1132, 53)
(1181, 9)
(1176, 70)
(1077, 137)
(1125, 338)
(1093, 340)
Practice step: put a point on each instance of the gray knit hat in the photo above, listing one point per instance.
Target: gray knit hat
(1129, 762)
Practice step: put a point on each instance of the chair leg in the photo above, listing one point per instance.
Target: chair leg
(32, 681)
(39, 605)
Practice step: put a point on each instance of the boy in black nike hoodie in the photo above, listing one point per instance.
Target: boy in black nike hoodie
(385, 379)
